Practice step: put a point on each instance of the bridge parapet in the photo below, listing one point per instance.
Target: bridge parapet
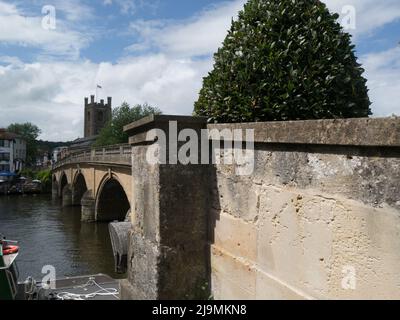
(317, 218)
(116, 154)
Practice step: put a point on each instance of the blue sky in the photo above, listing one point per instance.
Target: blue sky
(154, 51)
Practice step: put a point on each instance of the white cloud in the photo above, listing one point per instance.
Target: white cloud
(170, 84)
(203, 33)
(382, 72)
(131, 6)
(42, 94)
(53, 92)
(8, 60)
(169, 80)
(370, 14)
(176, 38)
(382, 68)
(74, 10)
(7, 8)
(126, 6)
(27, 31)
(199, 35)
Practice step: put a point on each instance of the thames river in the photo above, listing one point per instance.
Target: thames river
(50, 235)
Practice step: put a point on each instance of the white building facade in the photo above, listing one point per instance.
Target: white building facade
(12, 152)
(58, 153)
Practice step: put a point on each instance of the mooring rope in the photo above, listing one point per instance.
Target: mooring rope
(81, 297)
(30, 288)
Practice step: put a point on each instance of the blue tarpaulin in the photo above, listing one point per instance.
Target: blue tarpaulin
(7, 174)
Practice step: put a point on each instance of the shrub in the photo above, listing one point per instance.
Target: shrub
(284, 60)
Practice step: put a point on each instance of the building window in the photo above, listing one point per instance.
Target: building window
(4, 157)
(4, 168)
(4, 143)
(88, 114)
(100, 116)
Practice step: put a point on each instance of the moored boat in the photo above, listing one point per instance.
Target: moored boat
(93, 287)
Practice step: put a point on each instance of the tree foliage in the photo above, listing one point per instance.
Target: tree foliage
(284, 60)
(30, 133)
(113, 132)
(45, 178)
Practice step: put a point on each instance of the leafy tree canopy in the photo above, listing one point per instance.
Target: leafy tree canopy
(30, 133)
(284, 60)
(113, 132)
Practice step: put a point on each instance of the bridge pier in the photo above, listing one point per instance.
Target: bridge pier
(168, 256)
(88, 213)
(67, 196)
(55, 190)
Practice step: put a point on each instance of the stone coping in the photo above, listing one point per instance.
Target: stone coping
(153, 119)
(137, 130)
(377, 132)
(384, 132)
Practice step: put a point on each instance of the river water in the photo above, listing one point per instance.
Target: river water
(52, 235)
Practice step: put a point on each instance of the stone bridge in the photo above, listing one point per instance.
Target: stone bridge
(99, 180)
(318, 217)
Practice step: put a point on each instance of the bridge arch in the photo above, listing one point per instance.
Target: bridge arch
(112, 200)
(65, 192)
(55, 187)
(63, 183)
(79, 188)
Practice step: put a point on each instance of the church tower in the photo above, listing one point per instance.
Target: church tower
(96, 116)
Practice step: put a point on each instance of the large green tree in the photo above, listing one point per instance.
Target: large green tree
(30, 133)
(284, 60)
(113, 132)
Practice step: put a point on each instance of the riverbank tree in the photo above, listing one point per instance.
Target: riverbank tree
(113, 133)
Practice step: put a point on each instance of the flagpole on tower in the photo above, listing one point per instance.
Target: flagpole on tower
(97, 91)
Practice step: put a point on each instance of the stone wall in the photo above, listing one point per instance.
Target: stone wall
(168, 254)
(318, 219)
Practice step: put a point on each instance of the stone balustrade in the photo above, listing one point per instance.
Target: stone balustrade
(116, 154)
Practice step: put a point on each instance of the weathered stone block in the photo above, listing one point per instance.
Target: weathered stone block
(67, 196)
(88, 209)
(271, 288)
(233, 277)
(236, 236)
(143, 267)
